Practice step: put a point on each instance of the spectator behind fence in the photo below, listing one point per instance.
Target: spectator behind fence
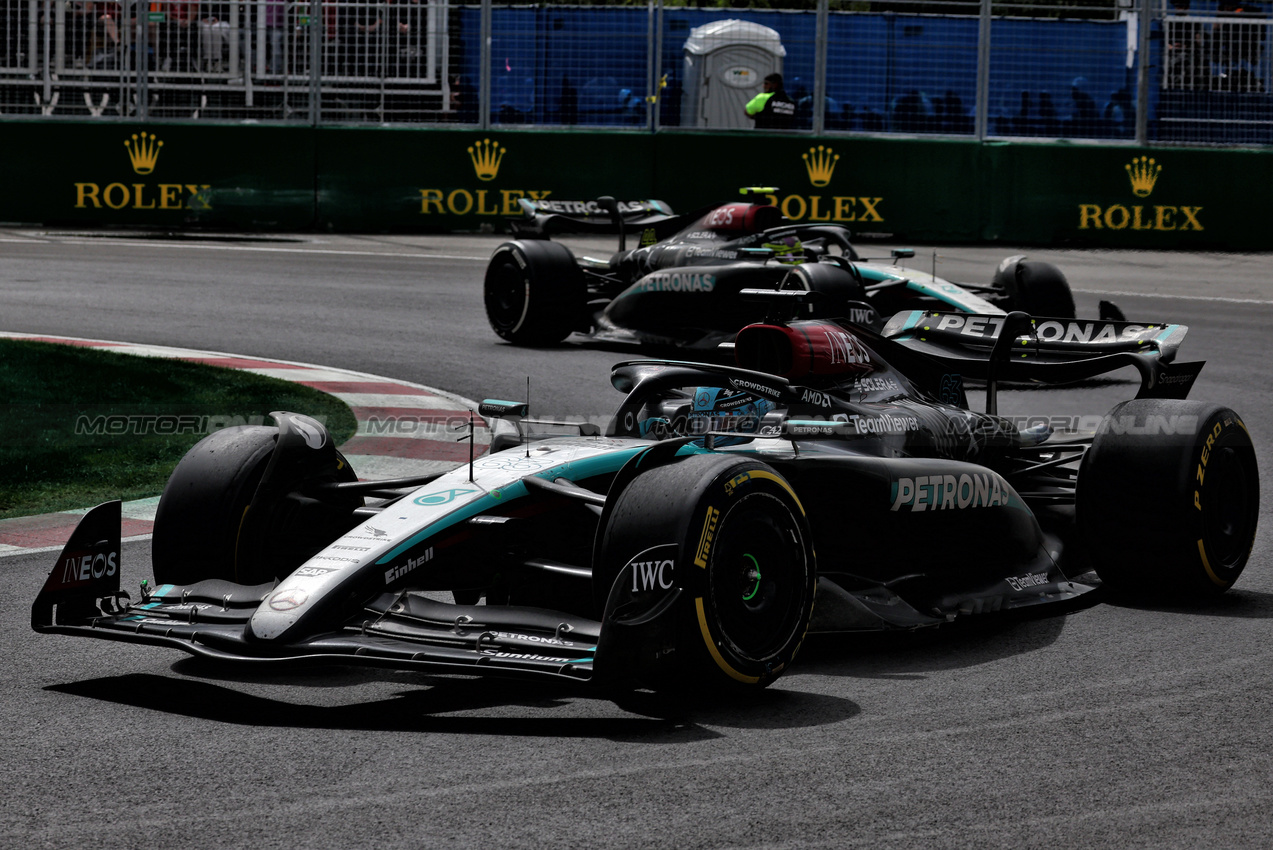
(214, 35)
(408, 29)
(1085, 118)
(170, 37)
(276, 35)
(1119, 114)
(105, 38)
(463, 100)
(361, 28)
(1187, 66)
(772, 109)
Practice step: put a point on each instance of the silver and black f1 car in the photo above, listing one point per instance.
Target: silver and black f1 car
(683, 546)
(680, 287)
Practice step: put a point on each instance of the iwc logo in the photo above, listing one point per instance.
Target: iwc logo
(819, 164)
(486, 156)
(1142, 174)
(143, 155)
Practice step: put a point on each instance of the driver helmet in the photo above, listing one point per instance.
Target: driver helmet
(787, 249)
(719, 409)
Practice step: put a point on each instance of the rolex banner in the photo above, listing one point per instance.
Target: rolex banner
(157, 176)
(398, 179)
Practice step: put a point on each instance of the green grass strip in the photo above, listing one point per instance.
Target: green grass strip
(81, 426)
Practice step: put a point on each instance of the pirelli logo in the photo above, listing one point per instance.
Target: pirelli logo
(705, 539)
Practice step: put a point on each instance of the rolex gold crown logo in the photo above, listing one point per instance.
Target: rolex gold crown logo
(820, 163)
(1143, 172)
(486, 156)
(143, 152)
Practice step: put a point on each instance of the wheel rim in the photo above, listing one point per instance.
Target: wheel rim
(506, 297)
(1228, 515)
(757, 576)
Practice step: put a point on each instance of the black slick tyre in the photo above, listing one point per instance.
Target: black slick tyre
(534, 292)
(839, 283)
(1034, 287)
(742, 551)
(205, 530)
(1168, 498)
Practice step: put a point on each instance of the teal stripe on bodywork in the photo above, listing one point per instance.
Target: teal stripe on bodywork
(935, 292)
(581, 469)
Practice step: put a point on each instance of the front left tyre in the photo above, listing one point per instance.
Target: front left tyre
(534, 292)
(211, 524)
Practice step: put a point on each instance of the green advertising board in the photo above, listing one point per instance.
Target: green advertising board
(1125, 197)
(444, 179)
(915, 189)
(106, 174)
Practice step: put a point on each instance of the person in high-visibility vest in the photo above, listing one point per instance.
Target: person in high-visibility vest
(772, 109)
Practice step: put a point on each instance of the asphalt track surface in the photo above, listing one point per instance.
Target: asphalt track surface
(1113, 726)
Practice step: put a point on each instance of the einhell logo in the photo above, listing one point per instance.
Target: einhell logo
(143, 155)
(485, 156)
(819, 164)
(1142, 173)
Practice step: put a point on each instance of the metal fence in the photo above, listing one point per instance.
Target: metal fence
(1136, 70)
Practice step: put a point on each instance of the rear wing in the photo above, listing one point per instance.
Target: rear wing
(1018, 347)
(548, 216)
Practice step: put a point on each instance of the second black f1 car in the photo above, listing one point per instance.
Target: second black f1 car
(680, 288)
(683, 547)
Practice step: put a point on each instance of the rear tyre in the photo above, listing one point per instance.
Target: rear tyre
(534, 292)
(1034, 287)
(1168, 498)
(205, 530)
(742, 552)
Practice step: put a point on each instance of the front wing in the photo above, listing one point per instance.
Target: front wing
(409, 630)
